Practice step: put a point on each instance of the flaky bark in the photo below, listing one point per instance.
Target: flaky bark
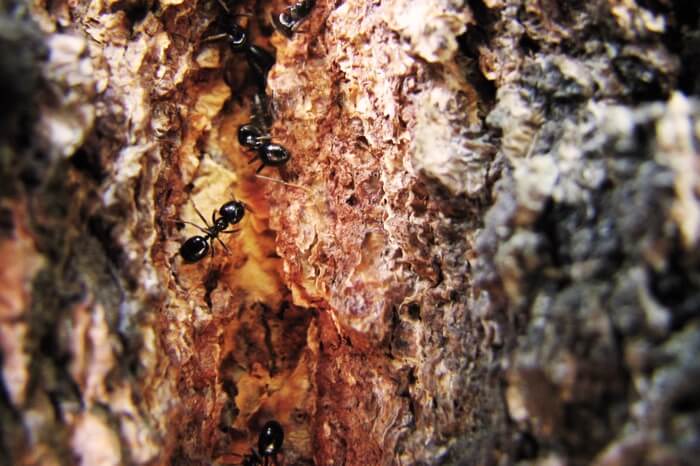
(482, 251)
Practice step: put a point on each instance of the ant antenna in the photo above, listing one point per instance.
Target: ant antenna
(177, 221)
(298, 186)
(200, 214)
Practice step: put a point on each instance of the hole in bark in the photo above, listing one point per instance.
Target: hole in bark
(653, 5)
(470, 41)
(526, 447)
(413, 311)
(7, 223)
(137, 12)
(469, 44)
(362, 141)
(211, 280)
(228, 416)
(684, 39)
(483, 15)
(687, 13)
(101, 230)
(688, 402)
(89, 164)
(642, 80)
(529, 45)
(31, 174)
(228, 385)
(48, 344)
(675, 288)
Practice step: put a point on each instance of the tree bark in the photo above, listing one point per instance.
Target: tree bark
(483, 250)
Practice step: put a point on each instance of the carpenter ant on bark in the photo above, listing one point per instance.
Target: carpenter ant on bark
(269, 444)
(259, 59)
(196, 247)
(255, 136)
(257, 139)
(288, 21)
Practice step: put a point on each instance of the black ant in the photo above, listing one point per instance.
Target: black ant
(269, 153)
(196, 247)
(269, 444)
(259, 59)
(288, 21)
(255, 136)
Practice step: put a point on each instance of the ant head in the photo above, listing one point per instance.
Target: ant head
(284, 24)
(237, 37)
(232, 211)
(271, 438)
(251, 136)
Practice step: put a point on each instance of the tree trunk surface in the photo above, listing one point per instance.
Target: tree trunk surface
(482, 251)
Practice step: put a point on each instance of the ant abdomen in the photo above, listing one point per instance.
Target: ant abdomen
(251, 136)
(194, 249)
(232, 212)
(274, 154)
(270, 439)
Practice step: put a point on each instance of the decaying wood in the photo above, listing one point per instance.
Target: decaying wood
(484, 249)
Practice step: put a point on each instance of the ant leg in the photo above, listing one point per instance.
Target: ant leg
(200, 214)
(263, 177)
(213, 217)
(228, 251)
(262, 165)
(254, 159)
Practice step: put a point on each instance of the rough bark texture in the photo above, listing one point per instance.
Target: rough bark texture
(484, 249)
